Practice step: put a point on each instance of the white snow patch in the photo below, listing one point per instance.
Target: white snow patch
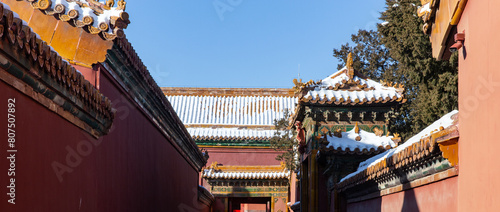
(368, 141)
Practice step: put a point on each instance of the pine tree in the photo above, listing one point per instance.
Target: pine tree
(369, 55)
(431, 85)
(284, 141)
(400, 52)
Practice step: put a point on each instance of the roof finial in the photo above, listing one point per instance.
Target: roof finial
(121, 5)
(349, 60)
(350, 69)
(299, 85)
(110, 3)
(356, 128)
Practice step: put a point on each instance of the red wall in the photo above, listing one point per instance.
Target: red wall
(134, 168)
(438, 196)
(242, 156)
(479, 92)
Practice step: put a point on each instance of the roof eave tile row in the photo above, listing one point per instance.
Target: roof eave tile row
(211, 174)
(357, 151)
(230, 138)
(366, 91)
(108, 30)
(341, 101)
(411, 154)
(136, 62)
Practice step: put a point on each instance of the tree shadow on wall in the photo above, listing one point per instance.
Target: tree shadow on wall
(410, 203)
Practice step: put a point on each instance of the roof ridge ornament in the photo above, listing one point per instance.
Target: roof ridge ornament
(110, 3)
(299, 85)
(121, 5)
(350, 69)
(214, 166)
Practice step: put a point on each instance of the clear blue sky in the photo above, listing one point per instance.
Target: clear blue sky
(244, 43)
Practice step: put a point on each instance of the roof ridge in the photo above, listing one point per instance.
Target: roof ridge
(222, 92)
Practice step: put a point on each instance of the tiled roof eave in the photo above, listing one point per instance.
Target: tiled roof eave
(412, 155)
(246, 175)
(217, 138)
(349, 102)
(357, 151)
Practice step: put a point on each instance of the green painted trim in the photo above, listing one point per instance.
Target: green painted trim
(272, 189)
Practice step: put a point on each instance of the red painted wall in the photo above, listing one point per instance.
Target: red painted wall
(479, 92)
(242, 156)
(438, 196)
(134, 168)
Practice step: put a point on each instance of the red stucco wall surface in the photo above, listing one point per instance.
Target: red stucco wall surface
(479, 100)
(438, 196)
(133, 168)
(242, 156)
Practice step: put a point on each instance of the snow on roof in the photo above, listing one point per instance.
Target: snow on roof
(97, 17)
(211, 174)
(340, 88)
(230, 134)
(218, 171)
(363, 140)
(443, 122)
(231, 114)
(231, 110)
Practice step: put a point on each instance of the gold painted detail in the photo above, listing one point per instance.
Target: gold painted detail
(43, 4)
(121, 5)
(378, 132)
(447, 140)
(300, 86)
(110, 3)
(350, 69)
(356, 128)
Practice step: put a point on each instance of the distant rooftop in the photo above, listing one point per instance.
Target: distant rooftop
(230, 114)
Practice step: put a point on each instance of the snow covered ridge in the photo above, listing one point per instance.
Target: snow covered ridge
(414, 148)
(218, 171)
(359, 141)
(211, 174)
(339, 88)
(98, 17)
